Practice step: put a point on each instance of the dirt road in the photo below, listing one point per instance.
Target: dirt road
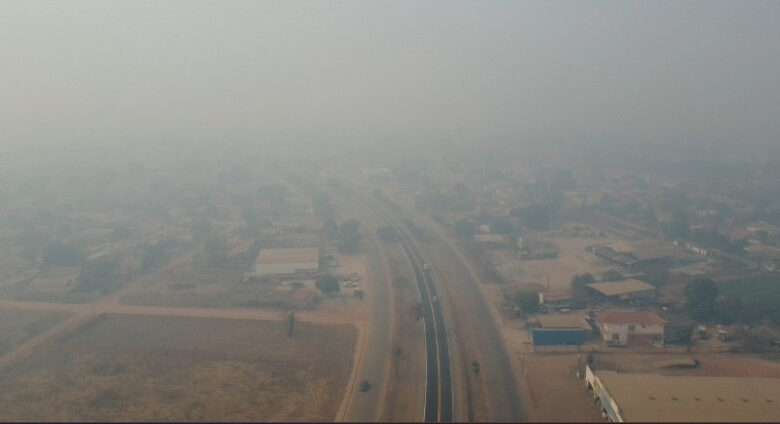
(374, 350)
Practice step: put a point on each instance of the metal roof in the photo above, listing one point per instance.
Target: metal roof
(617, 288)
(658, 398)
(630, 317)
(568, 321)
(288, 256)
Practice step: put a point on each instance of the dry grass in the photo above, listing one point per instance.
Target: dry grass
(712, 365)
(17, 326)
(554, 392)
(139, 368)
(558, 273)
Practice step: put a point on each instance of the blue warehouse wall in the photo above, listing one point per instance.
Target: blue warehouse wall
(543, 337)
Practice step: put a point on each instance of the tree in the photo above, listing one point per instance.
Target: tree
(328, 284)
(290, 323)
(579, 285)
(251, 216)
(214, 252)
(465, 229)
(612, 275)
(657, 277)
(678, 227)
(730, 309)
(349, 235)
(501, 225)
(154, 256)
(100, 274)
(537, 216)
(527, 301)
(58, 253)
(702, 295)
(388, 234)
(331, 229)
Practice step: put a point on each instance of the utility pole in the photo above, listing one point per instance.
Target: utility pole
(290, 323)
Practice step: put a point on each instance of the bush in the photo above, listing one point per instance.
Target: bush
(527, 301)
(702, 295)
(60, 254)
(328, 284)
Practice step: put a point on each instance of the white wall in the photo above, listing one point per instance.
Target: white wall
(624, 331)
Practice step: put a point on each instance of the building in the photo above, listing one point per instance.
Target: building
(288, 261)
(556, 300)
(614, 257)
(560, 330)
(639, 257)
(624, 290)
(492, 240)
(620, 328)
(626, 397)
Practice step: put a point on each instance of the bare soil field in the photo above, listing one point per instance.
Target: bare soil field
(406, 392)
(712, 365)
(152, 368)
(205, 289)
(554, 392)
(17, 326)
(572, 260)
(54, 285)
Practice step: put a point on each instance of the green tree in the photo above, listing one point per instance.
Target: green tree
(388, 234)
(730, 309)
(58, 253)
(328, 284)
(702, 295)
(678, 227)
(527, 301)
(465, 229)
(579, 285)
(349, 236)
(100, 275)
(612, 275)
(216, 251)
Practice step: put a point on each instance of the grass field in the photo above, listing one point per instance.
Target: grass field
(139, 368)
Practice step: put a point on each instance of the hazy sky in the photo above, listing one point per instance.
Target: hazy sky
(661, 71)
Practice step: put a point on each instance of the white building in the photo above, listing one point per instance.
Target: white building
(627, 397)
(620, 328)
(288, 261)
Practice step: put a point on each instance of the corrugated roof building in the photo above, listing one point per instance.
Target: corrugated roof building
(625, 397)
(287, 261)
(624, 290)
(560, 330)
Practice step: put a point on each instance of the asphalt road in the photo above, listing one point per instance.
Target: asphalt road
(438, 393)
(493, 396)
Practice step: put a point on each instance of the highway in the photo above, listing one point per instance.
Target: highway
(492, 395)
(438, 392)
(438, 402)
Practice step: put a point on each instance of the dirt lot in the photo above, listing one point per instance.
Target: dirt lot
(139, 368)
(554, 392)
(17, 326)
(54, 285)
(406, 394)
(572, 260)
(712, 365)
